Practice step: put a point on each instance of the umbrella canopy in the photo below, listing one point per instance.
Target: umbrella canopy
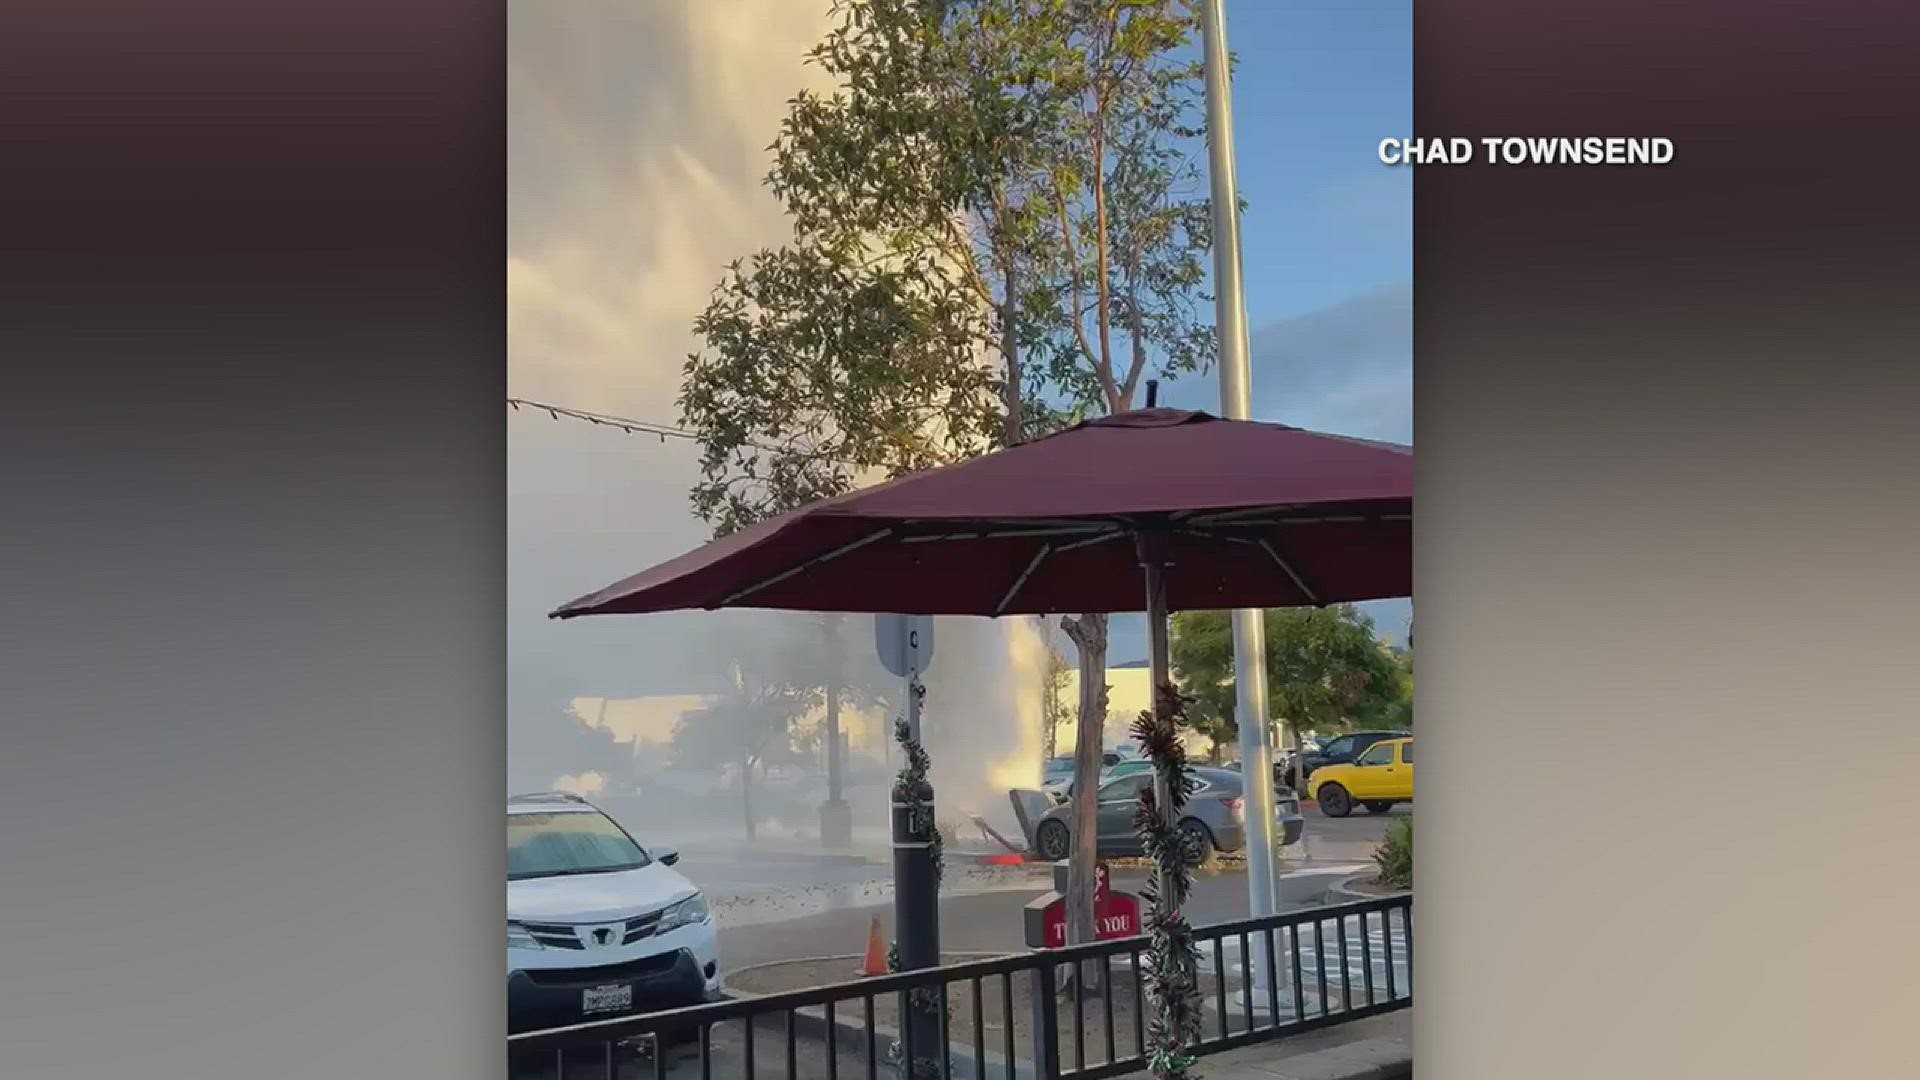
(1247, 514)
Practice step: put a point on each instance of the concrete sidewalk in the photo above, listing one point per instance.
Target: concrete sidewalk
(1377, 1048)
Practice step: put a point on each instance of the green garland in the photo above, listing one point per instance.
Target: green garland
(911, 788)
(1170, 968)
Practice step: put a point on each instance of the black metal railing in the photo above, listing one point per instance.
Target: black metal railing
(1076, 1013)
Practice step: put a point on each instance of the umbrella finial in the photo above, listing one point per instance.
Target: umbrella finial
(1153, 393)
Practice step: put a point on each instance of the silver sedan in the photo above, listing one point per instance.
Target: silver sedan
(1214, 819)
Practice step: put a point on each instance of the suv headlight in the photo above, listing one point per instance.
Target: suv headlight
(689, 912)
(518, 938)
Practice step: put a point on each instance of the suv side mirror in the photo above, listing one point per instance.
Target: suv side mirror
(667, 856)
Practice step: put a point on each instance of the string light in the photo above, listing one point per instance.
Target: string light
(661, 431)
(623, 423)
(642, 427)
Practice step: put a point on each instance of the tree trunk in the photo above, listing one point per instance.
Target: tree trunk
(1050, 703)
(1089, 635)
(1050, 728)
(1299, 778)
(834, 764)
(746, 792)
(1010, 350)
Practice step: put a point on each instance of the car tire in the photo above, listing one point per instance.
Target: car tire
(1053, 841)
(1198, 839)
(1378, 807)
(1334, 800)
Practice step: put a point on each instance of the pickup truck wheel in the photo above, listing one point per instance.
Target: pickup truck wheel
(1334, 800)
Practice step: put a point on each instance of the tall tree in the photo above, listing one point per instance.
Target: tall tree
(996, 233)
(573, 745)
(755, 723)
(1325, 668)
(1399, 712)
(822, 647)
(1054, 711)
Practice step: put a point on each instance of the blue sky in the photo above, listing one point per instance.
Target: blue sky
(1318, 85)
(1327, 238)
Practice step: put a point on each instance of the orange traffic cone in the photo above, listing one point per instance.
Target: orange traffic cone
(876, 961)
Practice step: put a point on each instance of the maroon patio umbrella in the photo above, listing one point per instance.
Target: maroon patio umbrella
(1205, 513)
(1236, 513)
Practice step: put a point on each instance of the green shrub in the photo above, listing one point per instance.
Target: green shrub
(1394, 856)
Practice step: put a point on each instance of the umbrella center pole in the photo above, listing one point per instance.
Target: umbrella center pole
(1152, 550)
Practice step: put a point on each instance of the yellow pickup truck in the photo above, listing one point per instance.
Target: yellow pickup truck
(1378, 778)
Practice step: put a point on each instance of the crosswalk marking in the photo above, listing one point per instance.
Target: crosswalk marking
(1386, 950)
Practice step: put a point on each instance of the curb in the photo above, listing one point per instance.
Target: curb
(807, 858)
(1342, 891)
(991, 858)
(853, 965)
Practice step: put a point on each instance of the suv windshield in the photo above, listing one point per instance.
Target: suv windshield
(574, 842)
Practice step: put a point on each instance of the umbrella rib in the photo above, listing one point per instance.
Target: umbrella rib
(808, 565)
(991, 533)
(1230, 516)
(1045, 550)
(1020, 582)
(1237, 521)
(1312, 597)
(1225, 538)
(1092, 540)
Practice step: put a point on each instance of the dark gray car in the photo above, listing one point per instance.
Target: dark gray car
(1215, 816)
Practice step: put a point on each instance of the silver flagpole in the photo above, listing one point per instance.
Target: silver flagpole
(1236, 403)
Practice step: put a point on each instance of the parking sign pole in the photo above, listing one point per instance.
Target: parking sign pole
(905, 647)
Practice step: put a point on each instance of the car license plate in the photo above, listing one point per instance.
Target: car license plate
(601, 999)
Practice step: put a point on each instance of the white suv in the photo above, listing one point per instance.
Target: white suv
(597, 925)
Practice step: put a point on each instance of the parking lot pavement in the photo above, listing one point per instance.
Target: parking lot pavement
(1342, 840)
(772, 910)
(988, 922)
(726, 1057)
(1357, 963)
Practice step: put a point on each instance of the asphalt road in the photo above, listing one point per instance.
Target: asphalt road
(726, 1054)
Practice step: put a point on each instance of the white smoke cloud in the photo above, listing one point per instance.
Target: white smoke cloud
(637, 136)
(586, 784)
(637, 150)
